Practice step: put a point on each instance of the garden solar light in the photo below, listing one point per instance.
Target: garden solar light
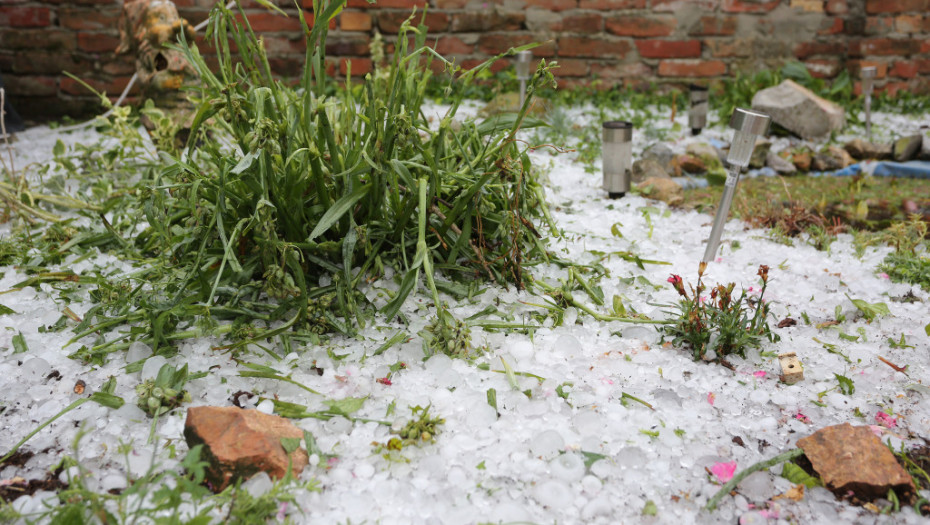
(523, 72)
(618, 157)
(748, 125)
(868, 81)
(697, 115)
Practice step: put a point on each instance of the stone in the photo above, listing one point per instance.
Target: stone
(906, 148)
(240, 443)
(831, 159)
(648, 168)
(864, 150)
(853, 460)
(510, 103)
(802, 160)
(799, 110)
(792, 370)
(691, 164)
(704, 151)
(780, 164)
(759, 154)
(662, 154)
(925, 147)
(663, 189)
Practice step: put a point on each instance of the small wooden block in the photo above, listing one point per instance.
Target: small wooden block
(792, 370)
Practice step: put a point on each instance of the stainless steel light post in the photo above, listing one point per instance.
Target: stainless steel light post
(748, 125)
(617, 150)
(522, 66)
(868, 83)
(697, 114)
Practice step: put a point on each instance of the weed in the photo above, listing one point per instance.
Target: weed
(720, 324)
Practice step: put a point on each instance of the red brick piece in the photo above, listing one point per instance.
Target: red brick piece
(25, 16)
(360, 66)
(451, 45)
(902, 69)
(884, 46)
(910, 24)
(97, 42)
(554, 5)
(669, 48)
(641, 26)
(896, 6)
(354, 21)
(597, 47)
(671, 6)
(715, 26)
(87, 19)
(692, 68)
(749, 6)
(496, 43)
(837, 7)
(808, 49)
(611, 5)
(272, 22)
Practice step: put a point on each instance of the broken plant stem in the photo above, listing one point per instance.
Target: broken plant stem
(600, 317)
(762, 465)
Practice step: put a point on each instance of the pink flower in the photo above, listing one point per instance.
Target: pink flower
(883, 275)
(711, 397)
(886, 420)
(769, 514)
(877, 430)
(802, 418)
(723, 471)
(759, 374)
(282, 511)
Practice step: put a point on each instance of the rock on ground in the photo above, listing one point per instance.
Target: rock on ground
(799, 110)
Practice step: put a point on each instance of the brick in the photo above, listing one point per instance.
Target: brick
(97, 42)
(114, 86)
(43, 62)
(714, 26)
(287, 66)
(896, 6)
(488, 20)
(672, 6)
(572, 67)
(356, 45)
(384, 4)
(611, 5)
(811, 6)
(360, 66)
(749, 6)
(692, 68)
(641, 26)
(597, 47)
(287, 44)
(32, 86)
(452, 45)
(25, 16)
(729, 47)
(355, 21)
(831, 26)
(904, 69)
(271, 22)
(472, 63)
(823, 67)
(669, 48)
(878, 25)
(496, 43)
(390, 21)
(554, 5)
(836, 7)
(451, 4)
(588, 23)
(804, 50)
(87, 19)
(923, 66)
(893, 88)
(910, 24)
(884, 47)
(613, 71)
(855, 68)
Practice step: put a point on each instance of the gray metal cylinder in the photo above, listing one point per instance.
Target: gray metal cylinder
(697, 113)
(617, 151)
(749, 121)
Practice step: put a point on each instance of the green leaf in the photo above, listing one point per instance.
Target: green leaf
(650, 509)
(846, 385)
(6, 310)
(870, 310)
(245, 163)
(59, 148)
(346, 406)
(107, 400)
(797, 475)
(337, 210)
(19, 344)
(927, 329)
(615, 230)
(492, 398)
(290, 444)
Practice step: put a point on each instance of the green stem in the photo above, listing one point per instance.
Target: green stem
(762, 465)
(72, 406)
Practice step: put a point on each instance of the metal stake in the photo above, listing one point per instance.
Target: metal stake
(868, 82)
(748, 125)
(617, 137)
(522, 66)
(697, 114)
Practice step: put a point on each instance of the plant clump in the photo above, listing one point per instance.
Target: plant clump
(910, 261)
(720, 323)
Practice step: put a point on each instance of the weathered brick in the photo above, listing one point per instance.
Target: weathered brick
(32, 86)
(355, 21)
(641, 26)
(749, 6)
(823, 67)
(453, 45)
(692, 68)
(43, 62)
(804, 50)
(472, 63)
(496, 43)
(390, 21)
(875, 25)
(450, 4)
(811, 6)
(113, 86)
(910, 24)
(386, 4)
(831, 26)
(729, 47)
(288, 66)
(669, 48)
(614, 71)
(360, 66)
(346, 45)
(572, 67)
(672, 6)
(272, 22)
(97, 42)
(597, 47)
(904, 69)
(555, 5)
(285, 44)
(588, 23)
(855, 68)
(488, 20)
(923, 65)
(714, 26)
(611, 5)
(87, 19)
(896, 6)
(21, 16)
(837, 7)
(884, 47)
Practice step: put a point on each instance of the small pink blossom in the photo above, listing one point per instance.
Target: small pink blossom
(884, 275)
(877, 430)
(607, 381)
(802, 418)
(769, 514)
(723, 471)
(886, 420)
(760, 374)
(711, 397)
(282, 511)
(718, 259)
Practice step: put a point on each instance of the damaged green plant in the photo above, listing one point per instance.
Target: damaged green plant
(910, 261)
(422, 429)
(720, 324)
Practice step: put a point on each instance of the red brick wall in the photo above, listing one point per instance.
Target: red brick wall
(620, 41)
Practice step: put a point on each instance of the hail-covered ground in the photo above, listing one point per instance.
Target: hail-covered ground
(566, 444)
